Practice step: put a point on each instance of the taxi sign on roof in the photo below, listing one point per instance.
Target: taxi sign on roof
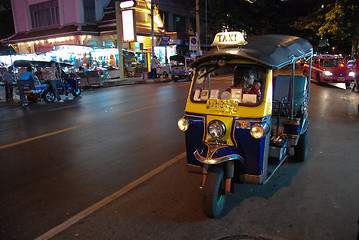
(228, 38)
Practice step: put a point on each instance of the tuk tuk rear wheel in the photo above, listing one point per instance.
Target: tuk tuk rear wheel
(300, 151)
(214, 196)
(48, 95)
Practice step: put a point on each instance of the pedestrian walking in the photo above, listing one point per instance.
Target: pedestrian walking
(53, 76)
(356, 82)
(8, 79)
(154, 64)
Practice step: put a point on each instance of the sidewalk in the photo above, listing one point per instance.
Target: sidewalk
(131, 81)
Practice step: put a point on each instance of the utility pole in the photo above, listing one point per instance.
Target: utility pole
(197, 29)
(119, 41)
(152, 31)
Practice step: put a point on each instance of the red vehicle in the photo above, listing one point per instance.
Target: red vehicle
(329, 69)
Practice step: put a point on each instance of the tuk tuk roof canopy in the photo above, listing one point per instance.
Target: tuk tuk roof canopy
(275, 51)
(26, 63)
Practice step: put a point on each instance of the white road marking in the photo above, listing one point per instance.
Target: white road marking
(56, 230)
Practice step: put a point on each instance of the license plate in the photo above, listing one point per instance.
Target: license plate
(341, 79)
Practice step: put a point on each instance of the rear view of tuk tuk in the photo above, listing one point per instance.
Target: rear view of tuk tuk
(245, 111)
(180, 68)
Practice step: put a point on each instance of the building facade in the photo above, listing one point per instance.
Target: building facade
(40, 25)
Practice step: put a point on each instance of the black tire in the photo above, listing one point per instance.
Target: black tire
(77, 93)
(300, 151)
(48, 95)
(214, 196)
(317, 79)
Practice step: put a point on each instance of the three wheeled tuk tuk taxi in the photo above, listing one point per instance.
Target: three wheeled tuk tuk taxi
(246, 106)
(180, 67)
(69, 81)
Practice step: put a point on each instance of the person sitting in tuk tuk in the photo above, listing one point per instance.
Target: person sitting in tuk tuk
(244, 78)
(39, 74)
(26, 78)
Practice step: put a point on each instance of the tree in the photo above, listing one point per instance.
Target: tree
(255, 17)
(337, 20)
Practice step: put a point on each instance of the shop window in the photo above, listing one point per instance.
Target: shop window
(44, 14)
(89, 8)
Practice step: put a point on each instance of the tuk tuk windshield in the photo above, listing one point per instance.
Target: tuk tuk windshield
(239, 82)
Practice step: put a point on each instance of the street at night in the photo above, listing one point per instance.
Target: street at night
(161, 120)
(111, 164)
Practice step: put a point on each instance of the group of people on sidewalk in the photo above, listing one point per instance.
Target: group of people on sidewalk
(28, 78)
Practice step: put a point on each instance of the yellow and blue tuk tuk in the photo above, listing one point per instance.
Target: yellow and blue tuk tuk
(247, 107)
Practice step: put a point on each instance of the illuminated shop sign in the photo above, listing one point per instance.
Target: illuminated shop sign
(128, 26)
(229, 38)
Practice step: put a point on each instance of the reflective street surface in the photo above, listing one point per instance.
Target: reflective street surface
(111, 165)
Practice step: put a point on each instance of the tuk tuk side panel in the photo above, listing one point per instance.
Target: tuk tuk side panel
(194, 137)
(254, 151)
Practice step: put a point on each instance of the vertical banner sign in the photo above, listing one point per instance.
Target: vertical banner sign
(129, 26)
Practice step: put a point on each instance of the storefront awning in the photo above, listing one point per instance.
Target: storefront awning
(52, 32)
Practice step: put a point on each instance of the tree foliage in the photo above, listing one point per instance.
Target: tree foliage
(336, 20)
(258, 17)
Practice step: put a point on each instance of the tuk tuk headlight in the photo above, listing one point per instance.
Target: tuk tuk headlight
(183, 124)
(328, 73)
(259, 130)
(351, 74)
(216, 129)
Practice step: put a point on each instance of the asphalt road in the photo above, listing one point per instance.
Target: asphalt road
(110, 165)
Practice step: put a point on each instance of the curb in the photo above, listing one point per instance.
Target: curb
(156, 80)
(133, 81)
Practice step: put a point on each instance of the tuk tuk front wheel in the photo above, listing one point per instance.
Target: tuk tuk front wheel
(77, 93)
(300, 151)
(214, 196)
(48, 95)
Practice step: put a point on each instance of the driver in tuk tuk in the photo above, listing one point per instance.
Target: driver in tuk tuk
(244, 78)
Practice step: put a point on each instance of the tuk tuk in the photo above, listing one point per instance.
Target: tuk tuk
(180, 67)
(246, 109)
(43, 89)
